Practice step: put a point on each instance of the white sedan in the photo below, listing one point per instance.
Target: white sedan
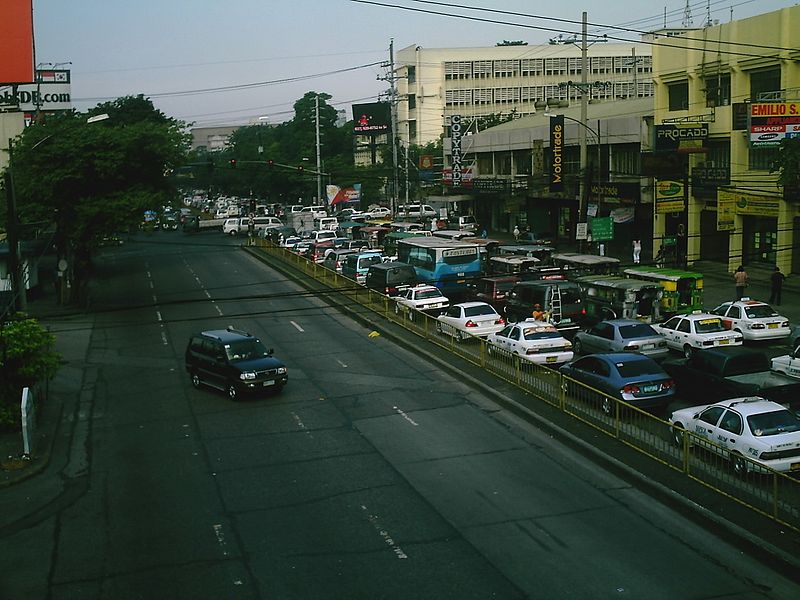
(753, 319)
(686, 333)
(470, 319)
(788, 364)
(739, 429)
(424, 298)
(534, 341)
(379, 212)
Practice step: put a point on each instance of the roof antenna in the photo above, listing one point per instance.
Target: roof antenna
(687, 15)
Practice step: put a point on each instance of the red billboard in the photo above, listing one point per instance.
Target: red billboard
(16, 41)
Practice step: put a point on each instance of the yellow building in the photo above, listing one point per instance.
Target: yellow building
(725, 96)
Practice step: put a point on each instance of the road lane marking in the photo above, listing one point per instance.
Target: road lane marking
(158, 314)
(405, 416)
(207, 293)
(301, 425)
(341, 363)
(163, 337)
(219, 310)
(221, 538)
(300, 329)
(373, 519)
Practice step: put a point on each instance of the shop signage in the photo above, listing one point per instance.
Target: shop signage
(489, 185)
(557, 149)
(771, 122)
(670, 196)
(455, 149)
(665, 165)
(464, 177)
(602, 229)
(580, 231)
(616, 192)
(725, 211)
(711, 176)
(685, 138)
(751, 204)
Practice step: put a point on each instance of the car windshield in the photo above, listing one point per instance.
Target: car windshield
(427, 294)
(637, 330)
(245, 350)
(773, 423)
(759, 311)
(533, 333)
(635, 368)
(708, 325)
(475, 311)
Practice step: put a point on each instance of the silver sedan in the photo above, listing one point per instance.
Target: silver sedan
(621, 335)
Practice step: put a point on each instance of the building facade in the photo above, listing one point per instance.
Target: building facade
(736, 86)
(434, 84)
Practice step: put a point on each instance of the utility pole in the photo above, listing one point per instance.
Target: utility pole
(319, 156)
(584, 191)
(18, 297)
(393, 137)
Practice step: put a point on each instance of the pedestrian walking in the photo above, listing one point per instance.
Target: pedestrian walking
(637, 251)
(776, 286)
(516, 232)
(741, 281)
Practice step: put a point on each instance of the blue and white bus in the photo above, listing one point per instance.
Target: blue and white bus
(447, 264)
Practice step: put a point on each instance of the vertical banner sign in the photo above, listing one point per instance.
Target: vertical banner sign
(557, 148)
(455, 148)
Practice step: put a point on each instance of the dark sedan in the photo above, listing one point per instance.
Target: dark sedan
(628, 376)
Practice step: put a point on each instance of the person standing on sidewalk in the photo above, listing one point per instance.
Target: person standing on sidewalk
(637, 251)
(516, 232)
(740, 279)
(776, 286)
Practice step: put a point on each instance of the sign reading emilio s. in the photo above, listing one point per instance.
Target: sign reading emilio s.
(557, 150)
(772, 122)
(455, 149)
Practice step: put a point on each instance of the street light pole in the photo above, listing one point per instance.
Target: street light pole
(584, 192)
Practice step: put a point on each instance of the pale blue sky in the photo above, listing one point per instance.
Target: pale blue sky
(120, 47)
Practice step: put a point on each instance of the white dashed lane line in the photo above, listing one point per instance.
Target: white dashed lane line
(296, 326)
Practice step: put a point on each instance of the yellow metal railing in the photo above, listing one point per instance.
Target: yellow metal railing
(770, 493)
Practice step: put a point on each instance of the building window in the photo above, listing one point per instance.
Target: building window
(506, 68)
(626, 160)
(482, 68)
(679, 95)
(412, 130)
(719, 153)
(602, 65)
(506, 95)
(532, 67)
(482, 96)
(522, 162)
(718, 90)
(762, 82)
(411, 73)
(574, 66)
(457, 69)
(485, 164)
(457, 97)
(502, 161)
(412, 101)
(555, 66)
(762, 159)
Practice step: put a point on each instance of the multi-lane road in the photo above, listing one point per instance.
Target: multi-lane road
(375, 474)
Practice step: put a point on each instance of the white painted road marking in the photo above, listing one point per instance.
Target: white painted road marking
(405, 416)
(341, 363)
(300, 329)
(301, 425)
(373, 519)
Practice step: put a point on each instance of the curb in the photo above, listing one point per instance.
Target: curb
(732, 533)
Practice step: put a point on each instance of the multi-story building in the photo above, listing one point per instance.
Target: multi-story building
(434, 84)
(212, 139)
(735, 87)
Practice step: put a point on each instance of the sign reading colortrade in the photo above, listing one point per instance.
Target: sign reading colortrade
(455, 149)
(16, 41)
(371, 119)
(771, 122)
(557, 149)
(681, 137)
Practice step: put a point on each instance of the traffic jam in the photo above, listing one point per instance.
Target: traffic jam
(638, 336)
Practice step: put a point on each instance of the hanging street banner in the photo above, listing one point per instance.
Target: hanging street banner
(616, 192)
(772, 122)
(685, 138)
(557, 151)
(670, 196)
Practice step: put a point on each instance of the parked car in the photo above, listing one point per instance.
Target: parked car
(378, 212)
(357, 264)
(416, 211)
(754, 434)
(233, 361)
(470, 319)
(753, 319)
(687, 333)
(421, 297)
(391, 278)
(621, 335)
(628, 376)
(463, 223)
(788, 364)
(534, 341)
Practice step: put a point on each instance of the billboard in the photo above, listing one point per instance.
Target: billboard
(670, 196)
(51, 92)
(374, 118)
(771, 122)
(16, 41)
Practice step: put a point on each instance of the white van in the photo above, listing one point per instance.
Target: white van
(326, 223)
(317, 211)
(264, 223)
(463, 222)
(231, 226)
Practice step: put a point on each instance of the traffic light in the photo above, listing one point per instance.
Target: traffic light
(300, 168)
(270, 163)
(233, 163)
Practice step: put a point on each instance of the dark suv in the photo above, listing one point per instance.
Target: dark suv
(561, 299)
(233, 361)
(391, 277)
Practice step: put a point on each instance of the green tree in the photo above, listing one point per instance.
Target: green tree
(89, 180)
(787, 164)
(27, 356)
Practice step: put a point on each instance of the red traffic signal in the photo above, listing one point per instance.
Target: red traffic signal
(270, 163)
(233, 163)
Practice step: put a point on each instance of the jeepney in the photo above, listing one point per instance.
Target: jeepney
(683, 290)
(616, 297)
(577, 265)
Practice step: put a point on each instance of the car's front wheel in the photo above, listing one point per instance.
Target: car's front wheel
(233, 393)
(677, 434)
(577, 346)
(687, 351)
(739, 465)
(196, 380)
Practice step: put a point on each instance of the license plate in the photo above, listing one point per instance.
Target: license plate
(773, 325)
(650, 388)
(461, 281)
(648, 346)
(552, 358)
(723, 342)
(268, 383)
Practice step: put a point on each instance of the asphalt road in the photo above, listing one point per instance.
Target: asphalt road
(375, 474)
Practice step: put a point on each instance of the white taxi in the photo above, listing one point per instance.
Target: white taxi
(753, 319)
(788, 364)
(762, 431)
(685, 333)
(425, 298)
(534, 341)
